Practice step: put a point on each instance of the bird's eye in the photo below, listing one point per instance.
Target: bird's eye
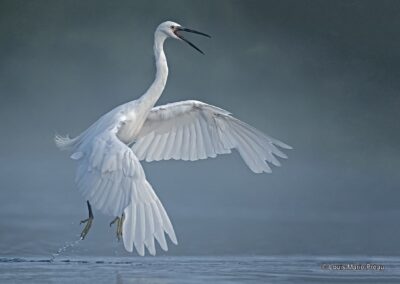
(172, 27)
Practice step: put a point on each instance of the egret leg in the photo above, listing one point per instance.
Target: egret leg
(120, 222)
(88, 221)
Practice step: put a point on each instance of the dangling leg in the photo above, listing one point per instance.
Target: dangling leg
(120, 222)
(88, 221)
(119, 226)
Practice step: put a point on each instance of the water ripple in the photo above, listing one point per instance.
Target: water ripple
(179, 269)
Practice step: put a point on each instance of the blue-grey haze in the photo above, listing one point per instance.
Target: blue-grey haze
(320, 75)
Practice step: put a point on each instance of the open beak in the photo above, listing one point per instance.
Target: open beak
(179, 29)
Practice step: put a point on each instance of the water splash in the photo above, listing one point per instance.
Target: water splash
(64, 248)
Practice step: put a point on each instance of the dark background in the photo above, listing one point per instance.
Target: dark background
(320, 75)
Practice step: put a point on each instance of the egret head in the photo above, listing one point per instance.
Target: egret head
(174, 30)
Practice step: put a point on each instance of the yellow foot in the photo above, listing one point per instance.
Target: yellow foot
(88, 225)
(120, 222)
(113, 221)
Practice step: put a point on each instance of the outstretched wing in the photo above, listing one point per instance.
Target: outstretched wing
(145, 219)
(111, 177)
(192, 130)
(106, 173)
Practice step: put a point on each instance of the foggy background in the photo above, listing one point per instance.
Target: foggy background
(322, 76)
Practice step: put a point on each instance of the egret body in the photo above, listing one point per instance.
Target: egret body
(108, 154)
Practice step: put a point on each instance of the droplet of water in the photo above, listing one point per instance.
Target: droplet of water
(63, 249)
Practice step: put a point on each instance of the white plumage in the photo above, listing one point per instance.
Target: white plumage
(192, 130)
(109, 173)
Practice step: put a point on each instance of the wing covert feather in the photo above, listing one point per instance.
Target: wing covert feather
(192, 130)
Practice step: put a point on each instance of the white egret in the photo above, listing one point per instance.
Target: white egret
(109, 174)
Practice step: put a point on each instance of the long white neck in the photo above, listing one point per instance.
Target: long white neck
(149, 99)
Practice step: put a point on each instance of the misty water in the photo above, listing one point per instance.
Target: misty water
(184, 269)
(47, 252)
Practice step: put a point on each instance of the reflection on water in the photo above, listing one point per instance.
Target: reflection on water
(161, 270)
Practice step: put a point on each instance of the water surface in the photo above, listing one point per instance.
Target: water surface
(181, 269)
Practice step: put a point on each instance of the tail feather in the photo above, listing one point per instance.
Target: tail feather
(64, 142)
